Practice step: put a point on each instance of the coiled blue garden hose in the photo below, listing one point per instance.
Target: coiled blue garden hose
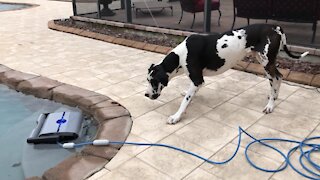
(314, 173)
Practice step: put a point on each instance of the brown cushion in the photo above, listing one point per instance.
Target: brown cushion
(215, 4)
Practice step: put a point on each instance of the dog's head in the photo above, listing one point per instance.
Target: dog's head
(157, 80)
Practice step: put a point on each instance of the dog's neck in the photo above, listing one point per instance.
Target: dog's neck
(171, 65)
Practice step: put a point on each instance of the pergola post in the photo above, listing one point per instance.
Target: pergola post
(74, 7)
(207, 16)
(128, 11)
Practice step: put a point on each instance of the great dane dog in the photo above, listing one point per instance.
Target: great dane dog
(207, 55)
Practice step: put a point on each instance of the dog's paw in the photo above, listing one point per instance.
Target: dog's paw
(268, 109)
(173, 119)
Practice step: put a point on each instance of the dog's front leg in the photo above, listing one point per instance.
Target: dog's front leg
(185, 102)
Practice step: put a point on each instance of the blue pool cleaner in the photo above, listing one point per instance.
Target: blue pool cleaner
(306, 150)
(56, 127)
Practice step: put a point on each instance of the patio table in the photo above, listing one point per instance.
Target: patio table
(152, 6)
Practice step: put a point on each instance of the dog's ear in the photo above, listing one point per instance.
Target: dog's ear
(150, 68)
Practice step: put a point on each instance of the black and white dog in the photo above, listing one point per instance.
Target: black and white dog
(208, 55)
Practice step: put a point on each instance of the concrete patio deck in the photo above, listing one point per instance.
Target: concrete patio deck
(209, 127)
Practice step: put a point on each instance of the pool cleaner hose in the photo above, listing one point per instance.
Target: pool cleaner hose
(306, 150)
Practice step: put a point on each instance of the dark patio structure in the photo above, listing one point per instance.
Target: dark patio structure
(299, 23)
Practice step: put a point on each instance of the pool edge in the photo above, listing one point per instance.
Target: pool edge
(113, 119)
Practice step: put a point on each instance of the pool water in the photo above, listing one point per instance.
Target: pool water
(8, 6)
(18, 115)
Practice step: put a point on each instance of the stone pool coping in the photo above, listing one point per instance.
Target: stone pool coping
(293, 76)
(114, 121)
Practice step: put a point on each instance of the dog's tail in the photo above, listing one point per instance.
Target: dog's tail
(285, 47)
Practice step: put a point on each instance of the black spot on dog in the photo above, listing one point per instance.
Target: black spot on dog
(271, 80)
(188, 98)
(224, 46)
(202, 49)
(170, 62)
(226, 40)
(202, 53)
(274, 99)
(230, 33)
(239, 37)
(277, 78)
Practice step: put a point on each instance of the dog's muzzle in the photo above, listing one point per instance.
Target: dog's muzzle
(153, 96)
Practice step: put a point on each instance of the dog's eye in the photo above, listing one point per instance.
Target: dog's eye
(154, 83)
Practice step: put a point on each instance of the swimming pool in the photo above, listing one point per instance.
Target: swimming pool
(19, 113)
(8, 6)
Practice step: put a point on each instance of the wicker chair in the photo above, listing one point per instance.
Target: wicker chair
(195, 6)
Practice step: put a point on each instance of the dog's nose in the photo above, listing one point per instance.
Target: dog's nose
(146, 94)
(155, 96)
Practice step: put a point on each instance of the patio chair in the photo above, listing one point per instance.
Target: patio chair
(195, 6)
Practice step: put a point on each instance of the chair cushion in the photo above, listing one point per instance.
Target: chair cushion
(215, 4)
(261, 9)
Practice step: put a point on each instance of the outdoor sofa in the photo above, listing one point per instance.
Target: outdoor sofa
(299, 11)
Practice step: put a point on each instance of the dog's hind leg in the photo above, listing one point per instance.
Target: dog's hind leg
(275, 78)
(267, 57)
(185, 102)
